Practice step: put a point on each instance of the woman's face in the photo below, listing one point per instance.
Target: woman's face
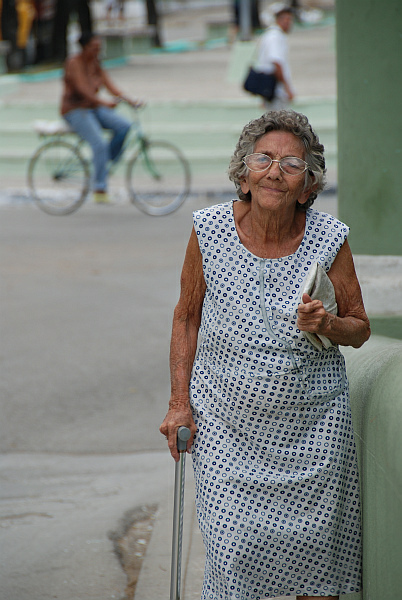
(272, 189)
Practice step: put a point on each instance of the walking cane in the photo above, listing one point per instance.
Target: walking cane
(183, 435)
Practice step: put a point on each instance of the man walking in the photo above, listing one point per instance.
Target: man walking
(273, 54)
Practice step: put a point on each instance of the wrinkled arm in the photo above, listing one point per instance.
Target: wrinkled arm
(351, 326)
(186, 323)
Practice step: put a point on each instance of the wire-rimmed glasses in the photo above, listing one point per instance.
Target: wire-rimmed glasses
(290, 165)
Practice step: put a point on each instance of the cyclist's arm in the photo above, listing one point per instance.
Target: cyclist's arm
(110, 86)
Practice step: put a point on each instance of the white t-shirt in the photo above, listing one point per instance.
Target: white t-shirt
(273, 48)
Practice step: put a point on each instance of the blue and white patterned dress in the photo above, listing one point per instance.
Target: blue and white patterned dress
(277, 489)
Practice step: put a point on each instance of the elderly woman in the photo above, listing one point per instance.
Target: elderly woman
(277, 488)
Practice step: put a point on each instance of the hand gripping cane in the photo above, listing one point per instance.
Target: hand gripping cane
(183, 435)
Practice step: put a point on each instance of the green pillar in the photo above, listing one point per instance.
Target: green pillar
(369, 64)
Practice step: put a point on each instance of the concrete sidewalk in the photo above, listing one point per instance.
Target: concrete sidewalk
(154, 579)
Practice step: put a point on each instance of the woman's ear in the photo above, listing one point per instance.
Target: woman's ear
(244, 186)
(304, 196)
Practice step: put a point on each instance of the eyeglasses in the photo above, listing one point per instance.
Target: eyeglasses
(290, 165)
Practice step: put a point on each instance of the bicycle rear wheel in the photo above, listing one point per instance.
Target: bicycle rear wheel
(58, 178)
(158, 178)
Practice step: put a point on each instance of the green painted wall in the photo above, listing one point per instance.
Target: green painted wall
(375, 379)
(369, 66)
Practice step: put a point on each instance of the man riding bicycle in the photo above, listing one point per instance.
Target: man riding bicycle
(88, 114)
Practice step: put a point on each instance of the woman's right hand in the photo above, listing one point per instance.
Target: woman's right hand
(175, 418)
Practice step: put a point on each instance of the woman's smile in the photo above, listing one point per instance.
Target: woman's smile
(272, 188)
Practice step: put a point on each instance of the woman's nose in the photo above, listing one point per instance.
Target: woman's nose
(274, 169)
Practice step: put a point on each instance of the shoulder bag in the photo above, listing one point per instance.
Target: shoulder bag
(260, 84)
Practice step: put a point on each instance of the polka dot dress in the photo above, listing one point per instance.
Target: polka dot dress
(277, 489)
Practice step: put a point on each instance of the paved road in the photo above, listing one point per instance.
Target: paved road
(88, 303)
(86, 313)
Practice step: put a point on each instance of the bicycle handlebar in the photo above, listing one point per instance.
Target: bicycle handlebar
(135, 105)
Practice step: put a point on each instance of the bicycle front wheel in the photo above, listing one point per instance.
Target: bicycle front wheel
(58, 178)
(158, 178)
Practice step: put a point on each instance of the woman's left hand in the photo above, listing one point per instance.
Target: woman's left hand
(312, 316)
(351, 326)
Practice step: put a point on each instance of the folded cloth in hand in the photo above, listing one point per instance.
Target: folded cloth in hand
(319, 287)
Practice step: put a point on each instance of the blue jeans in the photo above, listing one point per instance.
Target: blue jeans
(88, 123)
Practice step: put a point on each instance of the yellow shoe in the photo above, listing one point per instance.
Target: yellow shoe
(101, 198)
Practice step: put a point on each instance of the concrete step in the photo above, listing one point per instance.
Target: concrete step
(206, 132)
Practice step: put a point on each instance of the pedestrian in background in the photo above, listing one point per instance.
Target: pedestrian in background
(273, 57)
(45, 11)
(113, 7)
(8, 32)
(254, 16)
(63, 11)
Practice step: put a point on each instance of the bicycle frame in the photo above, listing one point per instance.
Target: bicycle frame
(136, 138)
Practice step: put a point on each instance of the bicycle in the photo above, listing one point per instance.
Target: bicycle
(59, 175)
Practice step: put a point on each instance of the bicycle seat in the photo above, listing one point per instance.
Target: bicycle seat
(43, 127)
